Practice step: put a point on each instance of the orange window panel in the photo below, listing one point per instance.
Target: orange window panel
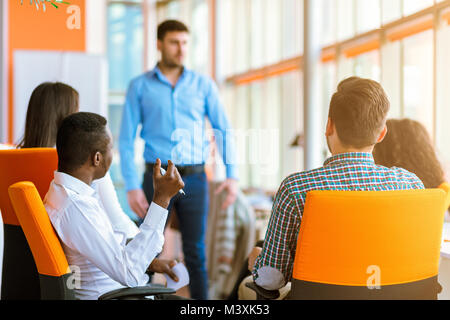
(328, 56)
(411, 29)
(267, 72)
(446, 16)
(362, 48)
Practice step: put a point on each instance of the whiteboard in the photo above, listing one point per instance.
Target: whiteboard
(86, 73)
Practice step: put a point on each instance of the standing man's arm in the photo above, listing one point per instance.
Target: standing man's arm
(225, 143)
(130, 120)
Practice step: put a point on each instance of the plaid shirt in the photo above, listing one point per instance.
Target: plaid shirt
(344, 172)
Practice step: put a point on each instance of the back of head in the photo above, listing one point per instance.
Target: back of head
(171, 26)
(49, 104)
(358, 110)
(79, 137)
(408, 145)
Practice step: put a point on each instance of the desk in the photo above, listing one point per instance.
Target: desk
(444, 267)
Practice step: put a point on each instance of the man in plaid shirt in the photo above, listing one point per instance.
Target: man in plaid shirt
(357, 122)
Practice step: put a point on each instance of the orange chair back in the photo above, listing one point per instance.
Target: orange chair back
(36, 165)
(20, 279)
(44, 243)
(48, 254)
(347, 236)
(446, 187)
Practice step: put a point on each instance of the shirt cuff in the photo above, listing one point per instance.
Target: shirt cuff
(156, 217)
(132, 185)
(232, 172)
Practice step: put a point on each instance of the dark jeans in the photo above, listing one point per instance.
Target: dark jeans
(192, 213)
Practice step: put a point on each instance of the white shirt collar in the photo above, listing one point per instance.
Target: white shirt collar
(74, 184)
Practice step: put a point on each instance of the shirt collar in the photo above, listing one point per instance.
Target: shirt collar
(74, 184)
(156, 72)
(352, 157)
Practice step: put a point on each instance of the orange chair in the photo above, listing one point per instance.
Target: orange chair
(446, 187)
(56, 279)
(369, 245)
(20, 279)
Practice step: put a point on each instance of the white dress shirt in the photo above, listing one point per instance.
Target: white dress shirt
(108, 197)
(93, 247)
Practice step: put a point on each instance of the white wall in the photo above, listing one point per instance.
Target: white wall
(87, 73)
(3, 101)
(3, 70)
(96, 25)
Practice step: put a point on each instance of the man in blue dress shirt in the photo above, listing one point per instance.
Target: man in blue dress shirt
(172, 103)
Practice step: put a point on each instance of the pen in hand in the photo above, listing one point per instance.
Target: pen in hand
(163, 172)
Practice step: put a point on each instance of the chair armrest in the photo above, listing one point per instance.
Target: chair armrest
(263, 294)
(137, 292)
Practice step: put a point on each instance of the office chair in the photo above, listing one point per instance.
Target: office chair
(446, 187)
(54, 272)
(368, 246)
(20, 279)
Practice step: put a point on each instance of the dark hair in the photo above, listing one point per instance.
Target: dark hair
(408, 145)
(49, 104)
(170, 26)
(359, 109)
(80, 136)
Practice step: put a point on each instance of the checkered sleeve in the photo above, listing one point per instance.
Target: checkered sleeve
(279, 246)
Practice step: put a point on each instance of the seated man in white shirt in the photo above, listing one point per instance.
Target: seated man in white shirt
(105, 261)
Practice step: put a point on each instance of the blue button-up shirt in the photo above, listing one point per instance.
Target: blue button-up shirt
(173, 123)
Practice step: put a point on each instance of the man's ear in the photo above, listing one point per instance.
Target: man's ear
(330, 128)
(159, 45)
(382, 134)
(97, 159)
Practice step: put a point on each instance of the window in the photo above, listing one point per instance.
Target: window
(125, 44)
(126, 61)
(418, 79)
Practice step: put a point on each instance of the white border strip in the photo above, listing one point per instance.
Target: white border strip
(4, 73)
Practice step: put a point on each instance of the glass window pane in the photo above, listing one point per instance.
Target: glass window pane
(291, 123)
(391, 76)
(200, 51)
(368, 15)
(418, 78)
(265, 133)
(257, 39)
(391, 10)
(125, 44)
(272, 31)
(443, 95)
(329, 14)
(292, 32)
(346, 22)
(412, 6)
(241, 10)
(226, 31)
(367, 65)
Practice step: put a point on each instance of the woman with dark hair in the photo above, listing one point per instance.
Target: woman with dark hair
(408, 145)
(49, 105)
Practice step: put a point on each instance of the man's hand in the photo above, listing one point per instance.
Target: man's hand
(167, 186)
(231, 186)
(138, 202)
(164, 266)
(252, 257)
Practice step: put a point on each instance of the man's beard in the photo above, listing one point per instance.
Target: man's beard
(169, 63)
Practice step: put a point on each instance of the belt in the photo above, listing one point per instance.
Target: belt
(183, 170)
